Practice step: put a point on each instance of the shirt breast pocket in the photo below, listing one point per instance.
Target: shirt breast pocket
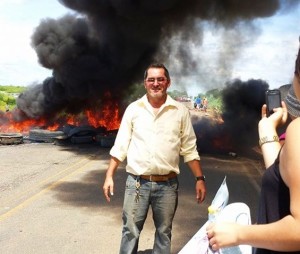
(172, 131)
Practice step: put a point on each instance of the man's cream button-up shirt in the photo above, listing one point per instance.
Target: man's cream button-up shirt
(153, 143)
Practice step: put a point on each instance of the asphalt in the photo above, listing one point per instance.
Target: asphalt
(51, 199)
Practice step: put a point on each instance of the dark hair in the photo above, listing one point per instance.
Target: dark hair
(158, 66)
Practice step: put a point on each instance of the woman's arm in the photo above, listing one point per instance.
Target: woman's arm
(268, 137)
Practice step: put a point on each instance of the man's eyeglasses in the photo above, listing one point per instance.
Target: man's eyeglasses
(159, 80)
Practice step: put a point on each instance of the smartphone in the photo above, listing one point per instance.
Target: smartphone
(273, 100)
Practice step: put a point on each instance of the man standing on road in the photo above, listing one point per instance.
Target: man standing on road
(155, 131)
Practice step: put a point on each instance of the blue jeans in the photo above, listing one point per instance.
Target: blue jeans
(163, 199)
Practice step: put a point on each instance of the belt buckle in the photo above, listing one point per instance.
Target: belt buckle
(150, 179)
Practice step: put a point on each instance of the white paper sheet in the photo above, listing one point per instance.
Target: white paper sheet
(235, 212)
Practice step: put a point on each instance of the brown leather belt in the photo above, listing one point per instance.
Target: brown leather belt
(159, 178)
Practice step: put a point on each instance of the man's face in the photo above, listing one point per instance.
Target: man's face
(156, 83)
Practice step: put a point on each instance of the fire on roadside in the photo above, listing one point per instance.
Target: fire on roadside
(108, 117)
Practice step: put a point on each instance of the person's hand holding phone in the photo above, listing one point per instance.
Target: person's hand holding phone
(274, 104)
(273, 100)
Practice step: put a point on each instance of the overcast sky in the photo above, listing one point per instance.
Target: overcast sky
(18, 19)
(272, 56)
(269, 57)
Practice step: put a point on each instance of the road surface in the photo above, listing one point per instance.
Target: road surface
(51, 199)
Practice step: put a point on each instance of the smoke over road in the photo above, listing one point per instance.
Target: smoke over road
(242, 106)
(106, 47)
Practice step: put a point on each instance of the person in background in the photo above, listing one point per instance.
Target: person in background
(278, 225)
(205, 104)
(154, 132)
(195, 103)
(198, 103)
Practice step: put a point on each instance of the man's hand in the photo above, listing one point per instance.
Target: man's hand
(195, 166)
(108, 188)
(200, 191)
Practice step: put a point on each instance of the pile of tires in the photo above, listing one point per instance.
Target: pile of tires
(105, 140)
(80, 134)
(74, 135)
(39, 135)
(11, 138)
(82, 139)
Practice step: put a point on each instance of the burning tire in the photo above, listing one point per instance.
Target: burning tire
(44, 135)
(80, 131)
(106, 141)
(11, 138)
(80, 134)
(82, 139)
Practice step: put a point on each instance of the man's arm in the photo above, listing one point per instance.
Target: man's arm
(195, 166)
(108, 187)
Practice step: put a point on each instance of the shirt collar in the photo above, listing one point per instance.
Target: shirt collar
(169, 101)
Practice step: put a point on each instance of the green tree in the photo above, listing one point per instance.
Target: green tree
(175, 94)
(8, 96)
(3, 97)
(12, 89)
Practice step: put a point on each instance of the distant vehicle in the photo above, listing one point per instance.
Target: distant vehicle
(183, 99)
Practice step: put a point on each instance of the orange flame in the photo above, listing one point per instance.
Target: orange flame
(24, 126)
(108, 117)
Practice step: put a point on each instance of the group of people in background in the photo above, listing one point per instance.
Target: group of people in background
(200, 104)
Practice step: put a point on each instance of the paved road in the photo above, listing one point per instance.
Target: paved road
(51, 199)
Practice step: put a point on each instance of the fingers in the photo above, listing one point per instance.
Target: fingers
(198, 196)
(108, 192)
(264, 111)
(285, 112)
(198, 199)
(200, 191)
(211, 237)
(201, 197)
(277, 118)
(213, 246)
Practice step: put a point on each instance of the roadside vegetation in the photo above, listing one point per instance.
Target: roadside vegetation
(8, 95)
(213, 96)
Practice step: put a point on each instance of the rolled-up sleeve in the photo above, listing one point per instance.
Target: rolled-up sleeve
(188, 140)
(120, 148)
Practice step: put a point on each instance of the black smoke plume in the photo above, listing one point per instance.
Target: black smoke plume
(107, 45)
(242, 111)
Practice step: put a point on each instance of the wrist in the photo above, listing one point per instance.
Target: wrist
(266, 128)
(200, 178)
(268, 139)
(109, 174)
